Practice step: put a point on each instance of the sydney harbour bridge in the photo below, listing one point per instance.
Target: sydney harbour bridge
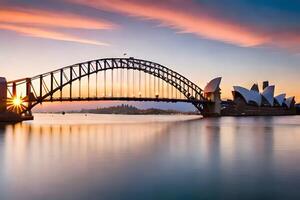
(113, 79)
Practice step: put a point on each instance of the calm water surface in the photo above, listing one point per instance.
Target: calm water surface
(116, 157)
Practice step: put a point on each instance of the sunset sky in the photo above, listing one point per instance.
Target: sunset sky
(243, 41)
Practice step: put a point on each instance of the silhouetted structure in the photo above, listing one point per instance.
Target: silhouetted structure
(252, 102)
(127, 79)
(130, 110)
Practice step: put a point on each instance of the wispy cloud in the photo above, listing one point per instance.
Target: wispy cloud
(173, 14)
(53, 19)
(39, 23)
(189, 17)
(48, 34)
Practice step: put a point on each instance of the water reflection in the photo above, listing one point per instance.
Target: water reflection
(164, 157)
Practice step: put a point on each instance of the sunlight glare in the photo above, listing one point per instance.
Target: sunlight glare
(17, 101)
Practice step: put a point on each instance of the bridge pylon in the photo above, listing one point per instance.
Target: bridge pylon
(11, 105)
(212, 92)
(3, 94)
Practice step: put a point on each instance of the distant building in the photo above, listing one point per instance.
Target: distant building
(265, 98)
(255, 102)
(212, 89)
(212, 92)
(298, 108)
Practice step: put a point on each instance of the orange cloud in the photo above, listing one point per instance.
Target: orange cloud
(42, 33)
(37, 23)
(175, 15)
(53, 19)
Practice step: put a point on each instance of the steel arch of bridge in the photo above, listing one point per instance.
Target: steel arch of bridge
(66, 76)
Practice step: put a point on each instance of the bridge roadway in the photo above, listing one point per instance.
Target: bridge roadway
(168, 100)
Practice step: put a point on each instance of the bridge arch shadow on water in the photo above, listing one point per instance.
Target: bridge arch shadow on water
(121, 79)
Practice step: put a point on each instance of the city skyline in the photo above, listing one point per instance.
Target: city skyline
(199, 39)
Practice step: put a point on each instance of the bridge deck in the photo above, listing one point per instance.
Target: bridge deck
(123, 99)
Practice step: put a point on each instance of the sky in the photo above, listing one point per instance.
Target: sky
(244, 41)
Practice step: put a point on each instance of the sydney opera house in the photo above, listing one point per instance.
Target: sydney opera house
(255, 102)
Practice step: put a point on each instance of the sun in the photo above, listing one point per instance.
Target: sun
(17, 101)
(16, 104)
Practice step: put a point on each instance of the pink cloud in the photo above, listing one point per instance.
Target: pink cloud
(40, 23)
(51, 19)
(48, 34)
(175, 14)
(189, 17)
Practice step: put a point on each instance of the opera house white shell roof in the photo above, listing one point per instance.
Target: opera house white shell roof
(268, 94)
(264, 98)
(248, 95)
(288, 102)
(280, 99)
(213, 85)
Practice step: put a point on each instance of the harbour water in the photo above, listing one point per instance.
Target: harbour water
(78, 156)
